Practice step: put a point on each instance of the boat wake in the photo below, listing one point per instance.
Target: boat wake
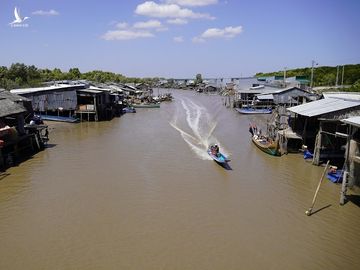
(196, 126)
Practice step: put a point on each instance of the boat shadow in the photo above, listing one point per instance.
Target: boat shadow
(50, 145)
(225, 165)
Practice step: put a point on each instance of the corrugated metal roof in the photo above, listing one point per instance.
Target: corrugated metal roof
(99, 88)
(90, 91)
(40, 89)
(342, 95)
(354, 121)
(266, 90)
(8, 107)
(323, 106)
(11, 96)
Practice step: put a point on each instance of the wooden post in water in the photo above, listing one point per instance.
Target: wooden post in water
(37, 141)
(346, 166)
(95, 108)
(343, 188)
(304, 131)
(2, 163)
(308, 212)
(318, 142)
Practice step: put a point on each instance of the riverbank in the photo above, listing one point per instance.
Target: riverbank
(118, 194)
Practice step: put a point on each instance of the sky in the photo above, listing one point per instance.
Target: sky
(180, 38)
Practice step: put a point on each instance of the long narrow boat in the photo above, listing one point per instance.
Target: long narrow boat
(218, 157)
(269, 147)
(58, 118)
(253, 110)
(146, 105)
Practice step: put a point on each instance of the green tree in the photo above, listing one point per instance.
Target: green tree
(57, 74)
(74, 74)
(355, 86)
(17, 70)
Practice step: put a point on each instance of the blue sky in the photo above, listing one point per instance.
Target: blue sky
(180, 38)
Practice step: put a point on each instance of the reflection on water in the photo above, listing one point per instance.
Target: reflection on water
(131, 194)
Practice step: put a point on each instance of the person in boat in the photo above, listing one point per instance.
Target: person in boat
(212, 149)
(251, 130)
(216, 150)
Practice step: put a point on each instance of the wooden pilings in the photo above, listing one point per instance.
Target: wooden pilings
(318, 142)
(2, 163)
(20, 149)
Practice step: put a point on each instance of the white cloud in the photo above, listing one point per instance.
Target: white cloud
(126, 34)
(152, 9)
(178, 39)
(177, 21)
(122, 25)
(227, 33)
(51, 12)
(162, 29)
(198, 40)
(192, 3)
(151, 24)
(125, 31)
(148, 24)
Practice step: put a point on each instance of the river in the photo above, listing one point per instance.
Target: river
(140, 192)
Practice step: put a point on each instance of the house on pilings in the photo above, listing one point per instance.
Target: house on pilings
(54, 100)
(352, 157)
(18, 138)
(319, 123)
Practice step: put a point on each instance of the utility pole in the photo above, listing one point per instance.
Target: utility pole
(313, 63)
(342, 76)
(337, 76)
(284, 76)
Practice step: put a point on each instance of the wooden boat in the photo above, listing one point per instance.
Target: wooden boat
(269, 147)
(251, 110)
(146, 105)
(58, 118)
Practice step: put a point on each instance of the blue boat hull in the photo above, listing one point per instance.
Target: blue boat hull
(335, 177)
(58, 118)
(220, 158)
(253, 111)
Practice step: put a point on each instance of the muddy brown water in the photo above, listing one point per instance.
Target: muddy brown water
(140, 192)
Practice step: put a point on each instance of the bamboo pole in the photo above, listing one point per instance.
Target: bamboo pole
(308, 212)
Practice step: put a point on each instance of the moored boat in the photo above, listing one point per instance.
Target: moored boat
(146, 105)
(266, 145)
(58, 118)
(251, 110)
